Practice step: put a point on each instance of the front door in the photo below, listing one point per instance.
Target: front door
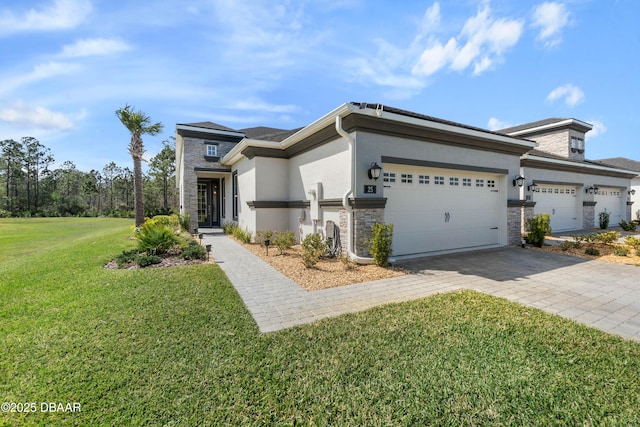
(208, 215)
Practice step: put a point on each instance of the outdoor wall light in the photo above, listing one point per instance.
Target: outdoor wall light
(592, 190)
(533, 187)
(518, 180)
(632, 192)
(374, 171)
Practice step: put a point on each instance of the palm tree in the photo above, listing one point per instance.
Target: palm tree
(138, 123)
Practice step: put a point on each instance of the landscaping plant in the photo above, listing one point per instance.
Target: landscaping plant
(538, 226)
(592, 252)
(603, 219)
(621, 251)
(155, 238)
(313, 248)
(607, 237)
(241, 234)
(628, 226)
(380, 244)
(284, 240)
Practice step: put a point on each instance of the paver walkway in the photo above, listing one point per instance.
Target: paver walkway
(598, 294)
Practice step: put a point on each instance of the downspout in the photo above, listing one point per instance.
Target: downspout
(345, 199)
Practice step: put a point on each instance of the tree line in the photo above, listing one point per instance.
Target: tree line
(30, 186)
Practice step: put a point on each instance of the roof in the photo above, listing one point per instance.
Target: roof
(531, 125)
(620, 162)
(268, 134)
(209, 125)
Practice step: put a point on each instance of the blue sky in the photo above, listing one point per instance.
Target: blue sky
(69, 64)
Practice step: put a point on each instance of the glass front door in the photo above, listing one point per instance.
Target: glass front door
(208, 203)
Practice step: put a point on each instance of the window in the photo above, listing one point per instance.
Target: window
(479, 182)
(453, 181)
(423, 179)
(491, 183)
(212, 150)
(407, 178)
(223, 196)
(234, 190)
(466, 182)
(438, 180)
(389, 177)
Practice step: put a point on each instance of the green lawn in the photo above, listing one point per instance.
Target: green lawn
(177, 347)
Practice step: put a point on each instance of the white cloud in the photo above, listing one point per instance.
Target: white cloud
(23, 115)
(260, 105)
(550, 18)
(598, 129)
(481, 43)
(94, 47)
(40, 72)
(497, 124)
(60, 14)
(572, 95)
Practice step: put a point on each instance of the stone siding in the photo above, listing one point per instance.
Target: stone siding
(363, 220)
(588, 215)
(514, 225)
(344, 230)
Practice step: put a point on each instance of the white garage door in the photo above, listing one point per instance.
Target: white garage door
(610, 200)
(561, 201)
(436, 210)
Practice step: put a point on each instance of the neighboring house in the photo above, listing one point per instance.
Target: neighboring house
(631, 165)
(566, 185)
(445, 186)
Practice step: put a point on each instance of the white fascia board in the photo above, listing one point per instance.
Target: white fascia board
(236, 152)
(448, 128)
(553, 125)
(568, 163)
(321, 123)
(207, 130)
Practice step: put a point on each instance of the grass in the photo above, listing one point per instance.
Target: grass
(176, 346)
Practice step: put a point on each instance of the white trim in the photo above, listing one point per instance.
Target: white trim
(236, 152)
(569, 163)
(552, 125)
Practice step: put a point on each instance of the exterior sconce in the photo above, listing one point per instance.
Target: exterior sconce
(533, 187)
(631, 192)
(374, 171)
(518, 180)
(592, 190)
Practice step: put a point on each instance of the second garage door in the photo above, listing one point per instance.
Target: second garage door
(561, 202)
(437, 210)
(610, 200)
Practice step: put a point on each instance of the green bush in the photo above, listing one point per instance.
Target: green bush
(313, 248)
(628, 226)
(632, 241)
(346, 260)
(603, 219)
(607, 237)
(242, 234)
(567, 244)
(284, 240)
(185, 221)
(538, 226)
(621, 251)
(592, 252)
(126, 257)
(380, 244)
(193, 251)
(263, 235)
(156, 238)
(147, 260)
(229, 227)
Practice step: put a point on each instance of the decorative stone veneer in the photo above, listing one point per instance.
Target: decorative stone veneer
(514, 225)
(630, 211)
(588, 215)
(344, 230)
(363, 220)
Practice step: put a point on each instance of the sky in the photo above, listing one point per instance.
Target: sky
(68, 65)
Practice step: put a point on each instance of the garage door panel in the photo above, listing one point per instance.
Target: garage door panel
(562, 203)
(610, 200)
(441, 210)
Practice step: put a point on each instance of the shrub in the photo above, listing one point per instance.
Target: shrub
(567, 244)
(262, 235)
(538, 226)
(185, 221)
(628, 226)
(607, 237)
(313, 248)
(147, 260)
(638, 252)
(620, 251)
(242, 234)
(156, 238)
(380, 243)
(632, 241)
(284, 240)
(229, 227)
(592, 252)
(126, 257)
(193, 251)
(603, 219)
(348, 263)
